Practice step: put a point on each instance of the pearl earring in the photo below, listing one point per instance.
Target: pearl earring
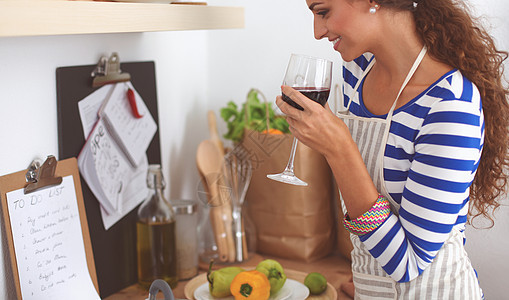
(373, 9)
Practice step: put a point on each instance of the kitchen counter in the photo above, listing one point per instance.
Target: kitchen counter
(334, 267)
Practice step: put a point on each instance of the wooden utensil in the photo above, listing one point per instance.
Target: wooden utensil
(209, 174)
(226, 206)
(214, 134)
(245, 253)
(210, 161)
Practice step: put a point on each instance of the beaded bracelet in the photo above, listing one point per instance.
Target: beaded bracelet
(369, 220)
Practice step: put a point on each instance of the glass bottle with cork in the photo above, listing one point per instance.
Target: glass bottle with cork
(156, 244)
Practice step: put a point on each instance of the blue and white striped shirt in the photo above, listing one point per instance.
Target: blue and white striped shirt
(431, 157)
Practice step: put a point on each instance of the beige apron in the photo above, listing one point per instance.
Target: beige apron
(450, 275)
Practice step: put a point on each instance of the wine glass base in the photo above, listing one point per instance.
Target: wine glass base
(286, 177)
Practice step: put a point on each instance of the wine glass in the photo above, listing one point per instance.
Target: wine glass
(312, 77)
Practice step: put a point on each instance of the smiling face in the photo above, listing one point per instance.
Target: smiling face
(346, 23)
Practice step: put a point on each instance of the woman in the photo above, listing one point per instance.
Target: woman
(416, 152)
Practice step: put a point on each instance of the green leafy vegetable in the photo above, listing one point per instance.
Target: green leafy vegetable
(237, 118)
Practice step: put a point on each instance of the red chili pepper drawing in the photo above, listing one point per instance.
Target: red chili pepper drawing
(132, 102)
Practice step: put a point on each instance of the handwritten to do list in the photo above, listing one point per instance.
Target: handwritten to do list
(48, 243)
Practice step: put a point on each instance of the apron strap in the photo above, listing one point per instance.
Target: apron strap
(416, 64)
(388, 120)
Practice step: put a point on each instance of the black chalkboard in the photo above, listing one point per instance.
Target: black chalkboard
(114, 249)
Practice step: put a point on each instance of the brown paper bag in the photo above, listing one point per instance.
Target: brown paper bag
(292, 222)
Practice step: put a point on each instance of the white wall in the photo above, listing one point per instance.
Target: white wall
(489, 249)
(28, 122)
(196, 71)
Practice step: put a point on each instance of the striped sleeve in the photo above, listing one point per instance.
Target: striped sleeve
(436, 190)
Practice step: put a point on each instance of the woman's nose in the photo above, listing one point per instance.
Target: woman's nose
(320, 30)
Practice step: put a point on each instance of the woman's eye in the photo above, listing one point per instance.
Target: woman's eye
(322, 13)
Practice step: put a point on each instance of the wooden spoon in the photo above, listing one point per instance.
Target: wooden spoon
(214, 134)
(209, 162)
(226, 204)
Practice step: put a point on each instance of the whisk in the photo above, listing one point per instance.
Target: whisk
(237, 172)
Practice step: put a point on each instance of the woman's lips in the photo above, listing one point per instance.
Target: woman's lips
(336, 43)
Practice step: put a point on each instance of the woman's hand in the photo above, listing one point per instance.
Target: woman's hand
(315, 126)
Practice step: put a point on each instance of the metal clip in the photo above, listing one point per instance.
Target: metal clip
(108, 71)
(39, 176)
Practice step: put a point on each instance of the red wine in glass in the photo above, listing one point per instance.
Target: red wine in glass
(320, 95)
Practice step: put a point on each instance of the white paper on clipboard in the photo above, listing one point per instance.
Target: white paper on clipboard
(48, 242)
(92, 111)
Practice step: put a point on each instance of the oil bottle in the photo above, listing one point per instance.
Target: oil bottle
(156, 244)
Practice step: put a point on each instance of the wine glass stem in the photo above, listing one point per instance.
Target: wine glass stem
(289, 166)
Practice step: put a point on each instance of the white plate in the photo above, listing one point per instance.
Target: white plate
(292, 289)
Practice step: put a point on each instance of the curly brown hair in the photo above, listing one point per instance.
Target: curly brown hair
(454, 37)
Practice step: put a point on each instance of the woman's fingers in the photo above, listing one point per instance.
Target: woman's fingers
(281, 103)
(297, 97)
(287, 109)
(302, 123)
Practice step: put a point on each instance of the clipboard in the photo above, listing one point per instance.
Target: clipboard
(49, 174)
(114, 249)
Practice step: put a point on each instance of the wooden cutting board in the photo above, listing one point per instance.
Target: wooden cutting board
(329, 294)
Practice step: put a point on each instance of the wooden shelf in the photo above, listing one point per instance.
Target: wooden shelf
(56, 17)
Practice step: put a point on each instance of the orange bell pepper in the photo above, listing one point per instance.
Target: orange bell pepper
(250, 285)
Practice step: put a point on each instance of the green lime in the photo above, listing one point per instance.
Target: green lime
(316, 283)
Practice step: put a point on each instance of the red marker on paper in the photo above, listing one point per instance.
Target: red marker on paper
(132, 102)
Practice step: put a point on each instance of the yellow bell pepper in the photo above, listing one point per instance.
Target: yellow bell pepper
(252, 285)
